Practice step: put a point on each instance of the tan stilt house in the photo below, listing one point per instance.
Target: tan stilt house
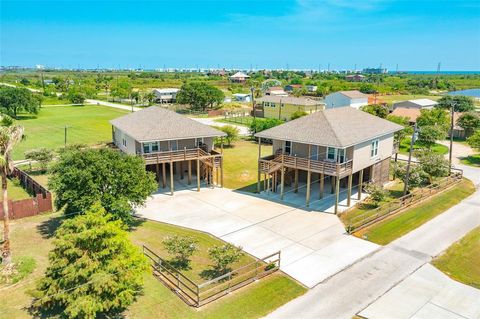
(341, 146)
(172, 145)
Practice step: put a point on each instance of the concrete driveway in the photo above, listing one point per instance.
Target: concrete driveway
(243, 130)
(313, 245)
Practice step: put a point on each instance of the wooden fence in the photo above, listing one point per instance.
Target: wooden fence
(397, 205)
(40, 202)
(198, 295)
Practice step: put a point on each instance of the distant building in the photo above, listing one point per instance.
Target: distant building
(276, 91)
(282, 107)
(239, 77)
(291, 87)
(354, 99)
(167, 95)
(355, 78)
(48, 82)
(375, 71)
(311, 88)
(415, 104)
(241, 97)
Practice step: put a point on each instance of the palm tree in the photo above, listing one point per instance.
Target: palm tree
(9, 137)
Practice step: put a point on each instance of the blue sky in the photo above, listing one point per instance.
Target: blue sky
(226, 33)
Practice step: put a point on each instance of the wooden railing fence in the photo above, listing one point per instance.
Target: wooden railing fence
(198, 295)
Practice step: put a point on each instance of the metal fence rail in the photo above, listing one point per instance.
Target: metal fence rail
(397, 205)
(198, 295)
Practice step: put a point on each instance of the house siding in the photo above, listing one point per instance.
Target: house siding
(339, 100)
(361, 153)
(118, 138)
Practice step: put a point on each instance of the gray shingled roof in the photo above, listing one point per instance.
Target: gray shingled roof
(158, 124)
(337, 127)
(289, 100)
(354, 94)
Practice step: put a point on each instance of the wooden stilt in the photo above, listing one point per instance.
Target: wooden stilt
(265, 182)
(217, 181)
(321, 185)
(171, 178)
(332, 179)
(181, 170)
(268, 183)
(164, 175)
(296, 181)
(360, 184)
(157, 172)
(189, 172)
(259, 156)
(221, 172)
(337, 191)
(349, 193)
(198, 175)
(282, 180)
(307, 199)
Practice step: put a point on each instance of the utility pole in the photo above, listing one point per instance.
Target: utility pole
(452, 112)
(280, 110)
(252, 91)
(407, 173)
(65, 136)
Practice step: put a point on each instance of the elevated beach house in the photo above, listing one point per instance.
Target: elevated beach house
(171, 145)
(340, 146)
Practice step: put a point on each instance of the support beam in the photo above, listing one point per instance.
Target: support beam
(307, 199)
(360, 184)
(164, 175)
(349, 194)
(171, 178)
(157, 172)
(332, 179)
(189, 172)
(221, 171)
(321, 185)
(198, 175)
(259, 156)
(337, 192)
(282, 180)
(296, 180)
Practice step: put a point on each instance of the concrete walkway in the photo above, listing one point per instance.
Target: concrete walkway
(352, 290)
(211, 121)
(313, 245)
(115, 105)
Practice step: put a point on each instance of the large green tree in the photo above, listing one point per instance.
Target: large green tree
(116, 180)
(121, 89)
(94, 269)
(404, 121)
(474, 140)
(376, 109)
(434, 117)
(470, 122)
(460, 103)
(200, 95)
(434, 165)
(16, 100)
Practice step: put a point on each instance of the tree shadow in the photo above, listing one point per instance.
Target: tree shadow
(135, 222)
(179, 264)
(48, 227)
(212, 273)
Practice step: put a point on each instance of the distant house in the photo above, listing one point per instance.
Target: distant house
(48, 82)
(354, 99)
(167, 95)
(291, 87)
(282, 107)
(410, 113)
(311, 88)
(171, 144)
(416, 104)
(239, 77)
(276, 91)
(355, 78)
(375, 71)
(241, 97)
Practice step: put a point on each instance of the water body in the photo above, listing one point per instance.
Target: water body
(443, 72)
(470, 92)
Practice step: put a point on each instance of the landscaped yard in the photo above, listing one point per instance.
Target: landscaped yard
(472, 160)
(15, 191)
(32, 237)
(461, 261)
(241, 164)
(400, 224)
(405, 147)
(85, 124)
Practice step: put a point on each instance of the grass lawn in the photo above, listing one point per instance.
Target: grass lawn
(242, 120)
(15, 192)
(86, 124)
(390, 99)
(53, 100)
(395, 190)
(400, 224)
(472, 160)
(241, 164)
(31, 237)
(405, 147)
(461, 261)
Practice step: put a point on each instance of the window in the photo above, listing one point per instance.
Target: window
(272, 104)
(146, 148)
(199, 142)
(124, 142)
(173, 145)
(374, 148)
(331, 153)
(288, 147)
(336, 154)
(154, 147)
(150, 147)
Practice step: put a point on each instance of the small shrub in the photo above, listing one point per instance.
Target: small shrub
(15, 181)
(42, 155)
(297, 114)
(182, 248)
(224, 256)
(377, 193)
(22, 267)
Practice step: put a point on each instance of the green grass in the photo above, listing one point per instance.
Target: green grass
(390, 99)
(405, 147)
(241, 164)
(400, 224)
(461, 261)
(32, 237)
(86, 124)
(15, 191)
(472, 160)
(24, 266)
(53, 100)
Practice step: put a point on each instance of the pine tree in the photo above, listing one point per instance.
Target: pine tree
(94, 268)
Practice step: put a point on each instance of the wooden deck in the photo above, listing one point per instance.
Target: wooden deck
(212, 159)
(272, 163)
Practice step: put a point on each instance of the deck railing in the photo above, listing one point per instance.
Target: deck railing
(272, 163)
(182, 155)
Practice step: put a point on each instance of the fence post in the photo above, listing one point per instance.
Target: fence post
(198, 296)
